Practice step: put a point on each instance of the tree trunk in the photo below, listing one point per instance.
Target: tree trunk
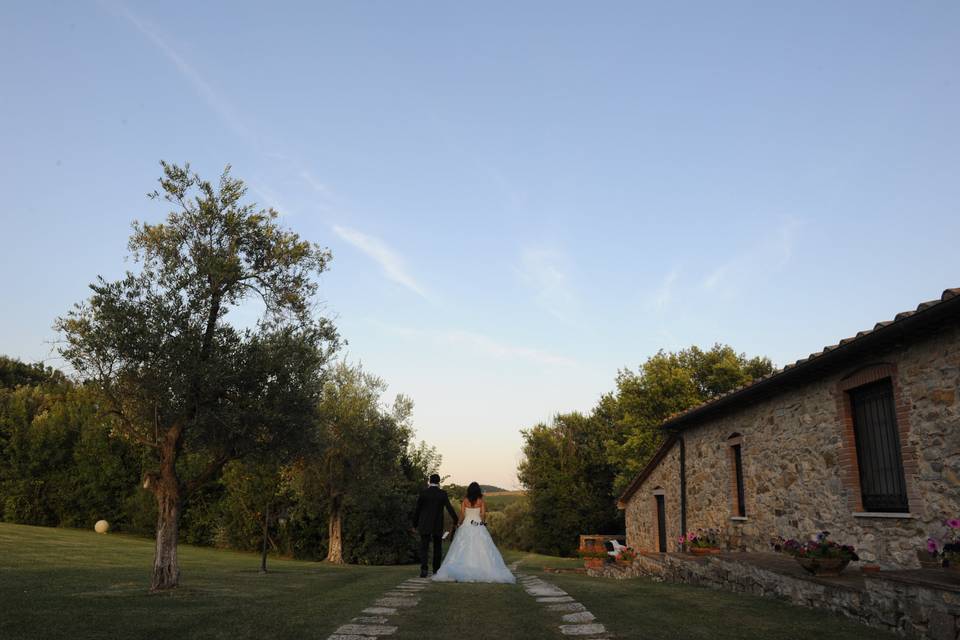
(266, 530)
(166, 488)
(166, 569)
(335, 553)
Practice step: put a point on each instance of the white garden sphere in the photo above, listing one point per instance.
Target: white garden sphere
(102, 526)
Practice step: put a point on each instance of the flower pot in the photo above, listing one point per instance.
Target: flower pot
(823, 566)
(927, 560)
(704, 551)
(952, 565)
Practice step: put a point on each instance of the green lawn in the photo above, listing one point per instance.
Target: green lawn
(62, 583)
(641, 608)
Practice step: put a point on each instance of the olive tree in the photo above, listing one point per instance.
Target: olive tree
(172, 371)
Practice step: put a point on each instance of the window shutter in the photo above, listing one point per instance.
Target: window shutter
(882, 482)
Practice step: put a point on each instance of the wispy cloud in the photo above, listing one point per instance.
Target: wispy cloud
(313, 182)
(220, 105)
(662, 298)
(393, 265)
(769, 255)
(269, 198)
(478, 344)
(224, 109)
(546, 271)
(490, 347)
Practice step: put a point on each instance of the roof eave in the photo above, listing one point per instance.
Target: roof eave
(881, 336)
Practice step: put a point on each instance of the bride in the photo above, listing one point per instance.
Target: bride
(473, 557)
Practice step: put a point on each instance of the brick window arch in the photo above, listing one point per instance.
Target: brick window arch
(877, 469)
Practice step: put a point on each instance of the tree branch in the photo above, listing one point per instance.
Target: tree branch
(206, 475)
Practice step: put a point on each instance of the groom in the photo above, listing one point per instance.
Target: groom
(428, 521)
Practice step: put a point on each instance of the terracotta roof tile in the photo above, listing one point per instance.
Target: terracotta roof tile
(880, 326)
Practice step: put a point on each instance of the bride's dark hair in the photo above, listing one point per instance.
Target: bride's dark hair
(474, 493)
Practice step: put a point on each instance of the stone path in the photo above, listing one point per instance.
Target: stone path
(576, 620)
(374, 623)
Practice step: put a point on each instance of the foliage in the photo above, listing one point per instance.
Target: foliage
(575, 467)
(58, 466)
(702, 539)
(14, 373)
(666, 384)
(173, 375)
(627, 554)
(364, 470)
(946, 547)
(569, 482)
(512, 527)
(819, 547)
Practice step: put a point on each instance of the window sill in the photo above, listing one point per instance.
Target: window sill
(883, 514)
(739, 518)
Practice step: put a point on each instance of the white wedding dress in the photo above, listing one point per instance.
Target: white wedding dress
(473, 557)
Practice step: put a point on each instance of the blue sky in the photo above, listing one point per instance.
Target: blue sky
(520, 197)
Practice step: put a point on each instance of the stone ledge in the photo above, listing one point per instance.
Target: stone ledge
(912, 603)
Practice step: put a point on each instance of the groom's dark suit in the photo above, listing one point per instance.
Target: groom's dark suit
(428, 520)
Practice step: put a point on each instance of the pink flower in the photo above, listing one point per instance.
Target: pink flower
(953, 523)
(932, 546)
(682, 539)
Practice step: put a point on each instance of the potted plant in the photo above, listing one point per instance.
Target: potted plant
(951, 545)
(820, 556)
(932, 556)
(702, 542)
(626, 556)
(593, 559)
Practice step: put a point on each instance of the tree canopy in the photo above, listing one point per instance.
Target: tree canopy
(173, 374)
(574, 467)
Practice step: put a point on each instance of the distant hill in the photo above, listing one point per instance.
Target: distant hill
(489, 488)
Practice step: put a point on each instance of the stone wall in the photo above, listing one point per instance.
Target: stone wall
(885, 601)
(641, 511)
(796, 462)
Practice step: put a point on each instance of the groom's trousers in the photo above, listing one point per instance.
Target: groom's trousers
(425, 540)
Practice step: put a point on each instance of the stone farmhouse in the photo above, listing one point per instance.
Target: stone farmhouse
(861, 439)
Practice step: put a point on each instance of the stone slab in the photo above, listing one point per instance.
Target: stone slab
(375, 630)
(582, 629)
(549, 599)
(370, 619)
(340, 636)
(397, 602)
(399, 594)
(543, 591)
(567, 607)
(380, 611)
(580, 616)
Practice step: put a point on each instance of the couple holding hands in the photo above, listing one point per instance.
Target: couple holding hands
(473, 556)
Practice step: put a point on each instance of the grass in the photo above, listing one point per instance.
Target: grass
(62, 583)
(641, 608)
